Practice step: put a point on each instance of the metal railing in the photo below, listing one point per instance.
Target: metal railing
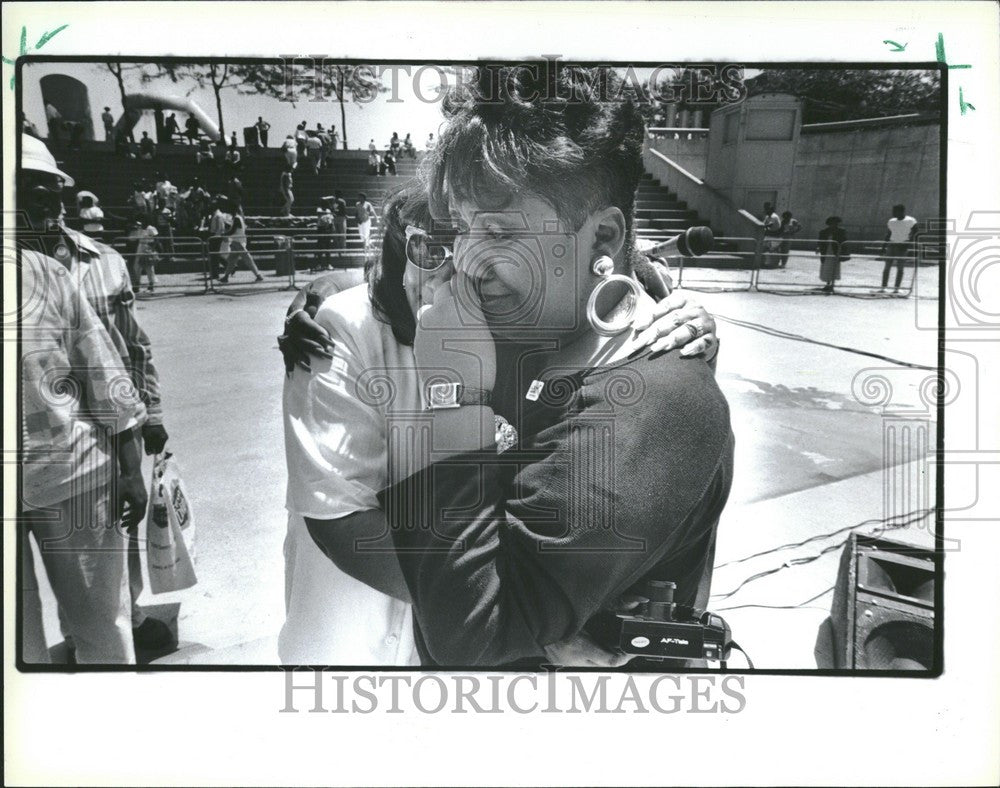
(795, 265)
(191, 264)
(676, 132)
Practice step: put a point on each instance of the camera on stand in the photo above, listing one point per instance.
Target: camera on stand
(663, 629)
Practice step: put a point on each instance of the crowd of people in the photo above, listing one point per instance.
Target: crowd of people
(343, 607)
(413, 535)
(898, 250)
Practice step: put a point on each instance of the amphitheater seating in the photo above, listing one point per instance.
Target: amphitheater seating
(659, 213)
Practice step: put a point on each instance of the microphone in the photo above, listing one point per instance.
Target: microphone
(693, 242)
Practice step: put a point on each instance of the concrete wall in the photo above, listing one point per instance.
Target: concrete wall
(752, 149)
(860, 174)
(691, 154)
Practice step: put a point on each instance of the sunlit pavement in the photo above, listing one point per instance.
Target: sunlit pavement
(809, 457)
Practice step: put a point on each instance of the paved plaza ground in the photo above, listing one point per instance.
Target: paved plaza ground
(809, 458)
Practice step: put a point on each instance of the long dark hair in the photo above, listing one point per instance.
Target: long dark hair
(409, 205)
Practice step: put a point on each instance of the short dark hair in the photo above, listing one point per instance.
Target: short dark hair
(899, 208)
(362, 195)
(575, 141)
(107, 109)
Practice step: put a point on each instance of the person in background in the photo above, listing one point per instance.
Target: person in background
(165, 231)
(161, 189)
(27, 127)
(73, 434)
(300, 139)
(373, 163)
(289, 148)
(334, 137)
(431, 142)
(262, 128)
(371, 146)
(364, 214)
(234, 191)
(218, 241)
(109, 125)
(897, 249)
(789, 227)
(389, 163)
(324, 236)
(238, 248)
(771, 246)
(144, 234)
(158, 124)
(147, 148)
(287, 195)
(408, 148)
(339, 222)
(54, 120)
(830, 250)
(234, 161)
(192, 129)
(233, 145)
(91, 214)
(314, 153)
(140, 203)
(204, 153)
(170, 128)
(326, 146)
(104, 278)
(394, 144)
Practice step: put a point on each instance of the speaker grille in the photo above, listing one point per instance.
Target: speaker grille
(898, 645)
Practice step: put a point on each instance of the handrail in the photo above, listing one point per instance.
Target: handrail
(676, 166)
(865, 122)
(675, 129)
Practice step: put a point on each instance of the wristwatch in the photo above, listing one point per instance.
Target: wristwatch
(455, 395)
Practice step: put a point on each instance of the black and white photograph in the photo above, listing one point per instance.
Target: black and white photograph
(606, 381)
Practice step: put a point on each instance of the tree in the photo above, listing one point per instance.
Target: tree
(119, 70)
(218, 75)
(300, 79)
(853, 94)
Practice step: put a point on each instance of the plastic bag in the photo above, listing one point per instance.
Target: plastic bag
(169, 529)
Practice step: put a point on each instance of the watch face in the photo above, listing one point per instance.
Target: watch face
(442, 395)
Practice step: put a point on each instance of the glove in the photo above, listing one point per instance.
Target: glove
(154, 438)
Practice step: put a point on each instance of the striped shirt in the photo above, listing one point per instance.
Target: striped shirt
(75, 393)
(105, 281)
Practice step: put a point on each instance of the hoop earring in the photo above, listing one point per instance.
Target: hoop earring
(603, 267)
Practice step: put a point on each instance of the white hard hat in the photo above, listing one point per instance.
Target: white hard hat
(35, 156)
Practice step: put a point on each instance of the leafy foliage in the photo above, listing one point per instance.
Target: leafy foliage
(853, 94)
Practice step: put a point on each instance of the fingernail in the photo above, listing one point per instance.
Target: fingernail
(647, 336)
(686, 351)
(641, 322)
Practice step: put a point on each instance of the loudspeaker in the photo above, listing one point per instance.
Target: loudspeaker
(883, 606)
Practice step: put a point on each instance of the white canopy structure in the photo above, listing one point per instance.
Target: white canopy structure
(135, 103)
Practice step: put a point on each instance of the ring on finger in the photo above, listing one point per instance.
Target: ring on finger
(695, 329)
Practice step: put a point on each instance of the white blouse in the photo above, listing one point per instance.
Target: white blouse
(336, 449)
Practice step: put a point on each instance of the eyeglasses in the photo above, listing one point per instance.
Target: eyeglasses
(423, 251)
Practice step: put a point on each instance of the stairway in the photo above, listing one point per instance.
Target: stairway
(660, 215)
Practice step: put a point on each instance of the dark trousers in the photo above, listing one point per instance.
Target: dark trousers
(217, 261)
(897, 255)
